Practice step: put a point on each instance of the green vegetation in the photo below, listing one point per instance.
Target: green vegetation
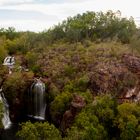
(59, 105)
(128, 121)
(93, 55)
(104, 119)
(1, 114)
(39, 131)
(93, 26)
(101, 119)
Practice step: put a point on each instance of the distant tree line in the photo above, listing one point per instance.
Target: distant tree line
(93, 26)
(89, 26)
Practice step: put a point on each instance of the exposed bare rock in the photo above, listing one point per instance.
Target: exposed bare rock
(121, 78)
(111, 77)
(132, 62)
(132, 95)
(77, 104)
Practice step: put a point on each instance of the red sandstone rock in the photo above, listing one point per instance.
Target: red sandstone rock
(77, 104)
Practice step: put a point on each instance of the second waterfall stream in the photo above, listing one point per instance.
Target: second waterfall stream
(6, 119)
(37, 100)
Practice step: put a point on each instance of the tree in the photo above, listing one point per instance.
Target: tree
(3, 51)
(95, 121)
(94, 26)
(60, 104)
(38, 131)
(135, 41)
(127, 121)
(87, 127)
(10, 33)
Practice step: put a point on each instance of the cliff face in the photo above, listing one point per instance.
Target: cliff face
(99, 69)
(121, 78)
(133, 65)
(15, 87)
(77, 104)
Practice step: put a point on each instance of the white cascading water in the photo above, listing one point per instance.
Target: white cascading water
(37, 100)
(9, 61)
(6, 119)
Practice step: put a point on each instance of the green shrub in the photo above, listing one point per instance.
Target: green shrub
(127, 121)
(82, 83)
(38, 131)
(60, 104)
(3, 54)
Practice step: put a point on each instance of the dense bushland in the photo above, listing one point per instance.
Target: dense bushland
(86, 55)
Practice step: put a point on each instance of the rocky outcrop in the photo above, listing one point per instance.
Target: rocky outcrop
(132, 63)
(111, 77)
(77, 104)
(15, 88)
(120, 78)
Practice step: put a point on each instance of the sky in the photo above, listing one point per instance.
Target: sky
(39, 15)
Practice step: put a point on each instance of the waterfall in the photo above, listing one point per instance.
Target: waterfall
(37, 100)
(9, 61)
(5, 120)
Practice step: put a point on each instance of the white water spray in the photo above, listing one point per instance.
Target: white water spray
(6, 119)
(9, 61)
(37, 101)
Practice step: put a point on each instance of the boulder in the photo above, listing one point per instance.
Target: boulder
(77, 104)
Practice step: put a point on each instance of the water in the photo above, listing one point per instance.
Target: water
(37, 100)
(6, 119)
(9, 61)
(10, 134)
